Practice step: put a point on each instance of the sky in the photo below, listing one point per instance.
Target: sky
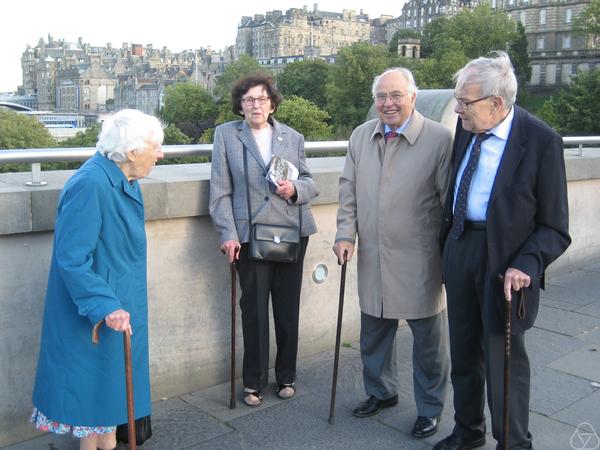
(184, 25)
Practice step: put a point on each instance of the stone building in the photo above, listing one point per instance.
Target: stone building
(84, 88)
(418, 13)
(300, 31)
(556, 52)
(61, 74)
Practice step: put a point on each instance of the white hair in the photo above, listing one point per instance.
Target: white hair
(407, 74)
(129, 129)
(495, 75)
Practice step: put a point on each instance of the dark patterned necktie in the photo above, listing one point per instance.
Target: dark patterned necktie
(460, 206)
(390, 134)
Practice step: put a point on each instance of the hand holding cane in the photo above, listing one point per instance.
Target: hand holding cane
(128, 381)
(233, 308)
(338, 336)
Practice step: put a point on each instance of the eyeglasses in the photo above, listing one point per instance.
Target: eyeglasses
(464, 104)
(249, 101)
(395, 97)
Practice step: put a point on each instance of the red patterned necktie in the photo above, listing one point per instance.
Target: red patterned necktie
(390, 134)
(460, 207)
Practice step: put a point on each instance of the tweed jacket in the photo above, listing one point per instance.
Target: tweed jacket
(228, 202)
(391, 197)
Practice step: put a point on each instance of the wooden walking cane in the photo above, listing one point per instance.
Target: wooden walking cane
(233, 306)
(338, 335)
(128, 382)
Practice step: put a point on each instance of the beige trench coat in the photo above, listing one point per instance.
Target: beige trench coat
(392, 197)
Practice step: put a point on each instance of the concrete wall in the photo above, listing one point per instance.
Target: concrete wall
(189, 279)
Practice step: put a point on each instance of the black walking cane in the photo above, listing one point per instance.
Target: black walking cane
(507, 329)
(338, 337)
(233, 306)
(128, 381)
(507, 333)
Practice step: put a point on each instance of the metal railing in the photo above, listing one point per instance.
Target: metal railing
(44, 155)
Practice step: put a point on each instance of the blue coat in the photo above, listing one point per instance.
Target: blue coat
(98, 266)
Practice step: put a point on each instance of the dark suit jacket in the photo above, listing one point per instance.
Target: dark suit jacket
(528, 214)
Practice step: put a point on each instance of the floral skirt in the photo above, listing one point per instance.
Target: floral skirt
(42, 423)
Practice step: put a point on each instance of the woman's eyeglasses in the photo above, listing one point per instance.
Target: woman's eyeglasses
(249, 101)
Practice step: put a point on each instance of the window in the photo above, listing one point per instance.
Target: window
(542, 17)
(568, 15)
(523, 17)
(540, 43)
(566, 41)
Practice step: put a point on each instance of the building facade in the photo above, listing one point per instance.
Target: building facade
(299, 31)
(556, 51)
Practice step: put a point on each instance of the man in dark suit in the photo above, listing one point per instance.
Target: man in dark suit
(505, 220)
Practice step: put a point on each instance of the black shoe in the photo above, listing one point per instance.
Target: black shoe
(373, 405)
(454, 442)
(425, 426)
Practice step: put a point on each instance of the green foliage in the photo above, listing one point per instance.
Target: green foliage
(174, 136)
(589, 20)
(305, 79)
(399, 35)
(186, 102)
(87, 138)
(519, 56)
(479, 31)
(349, 87)
(207, 137)
(437, 71)
(22, 131)
(189, 107)
(245, 65)
(576, 110)
(305, 117)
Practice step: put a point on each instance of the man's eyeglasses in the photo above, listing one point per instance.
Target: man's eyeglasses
(249, 101)
(395, 97)
(464, 104)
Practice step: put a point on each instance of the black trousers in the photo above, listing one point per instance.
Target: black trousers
(477, 346)
(282, 281)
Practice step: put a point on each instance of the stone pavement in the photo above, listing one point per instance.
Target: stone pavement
(564, 349)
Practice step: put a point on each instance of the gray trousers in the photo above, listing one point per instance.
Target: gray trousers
(430, 360)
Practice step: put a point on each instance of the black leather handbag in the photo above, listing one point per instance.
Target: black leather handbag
(143, 431)
(276, 243)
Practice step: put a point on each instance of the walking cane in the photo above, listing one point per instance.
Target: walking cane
(338, 335)
(507, 327)
(233, 306)
(128, 381)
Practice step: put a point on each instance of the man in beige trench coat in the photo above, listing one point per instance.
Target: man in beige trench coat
(392, 192)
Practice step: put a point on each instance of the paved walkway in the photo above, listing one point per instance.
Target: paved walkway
(564, 348)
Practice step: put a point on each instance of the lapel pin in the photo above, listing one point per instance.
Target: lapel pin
(279, 138)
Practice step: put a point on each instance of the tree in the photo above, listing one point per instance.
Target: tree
(174, 136)
(305, 79)
(305, 117)
(189, 107)
(22, 131)
(399, 35)
(479, 31)
(437, 71)
(589, 20)
(576, 110)
(245, 65)
(349, 87)
(87, 138)
(519, 56)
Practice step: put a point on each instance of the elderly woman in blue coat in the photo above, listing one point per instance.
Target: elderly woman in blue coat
(98, 271)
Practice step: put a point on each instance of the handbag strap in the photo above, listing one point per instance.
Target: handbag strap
(245, 157)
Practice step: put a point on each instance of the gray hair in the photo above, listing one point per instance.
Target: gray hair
(407, 74)
(129, 129)
(495, 74)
